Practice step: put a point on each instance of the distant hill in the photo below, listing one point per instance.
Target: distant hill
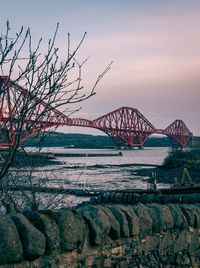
(73, 140)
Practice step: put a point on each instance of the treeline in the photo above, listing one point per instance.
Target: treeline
(73, 140)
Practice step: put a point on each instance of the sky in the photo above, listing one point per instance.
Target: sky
(154, 46)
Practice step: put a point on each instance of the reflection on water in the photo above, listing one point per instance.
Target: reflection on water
(106, 173)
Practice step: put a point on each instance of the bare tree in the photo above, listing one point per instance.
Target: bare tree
(33, 84)
(36, 188)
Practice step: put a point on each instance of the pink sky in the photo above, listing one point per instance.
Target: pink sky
(155, 47)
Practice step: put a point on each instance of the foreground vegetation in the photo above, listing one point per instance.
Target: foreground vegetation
(180, 158)
(173, 167)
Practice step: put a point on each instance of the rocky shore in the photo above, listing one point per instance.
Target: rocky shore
(173, 167)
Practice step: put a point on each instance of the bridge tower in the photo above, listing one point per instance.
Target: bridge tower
(178, 133)
(126, 126)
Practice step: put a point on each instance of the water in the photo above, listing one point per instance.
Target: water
(93, 173)
(101, 173)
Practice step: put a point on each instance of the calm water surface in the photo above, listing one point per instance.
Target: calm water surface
(93, 173)
(112, 172)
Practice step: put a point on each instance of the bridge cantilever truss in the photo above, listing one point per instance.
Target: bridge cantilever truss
(126, 125)
(178, 133)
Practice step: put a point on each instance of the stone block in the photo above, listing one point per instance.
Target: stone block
(191, 214)
(183, 260)
(71, 228)
(135, 198)
(112, 197)
(143, 198)
(197, 216)
(130, 198)
(121, 218)
(125, 198)
(118, 198)
(107, 263)
(11, 250)
(181, 243)
(122, 264)
(150, 198)
(150, 244)
(191, 198)
(162, 217)
(48, 227)
(193, 239)
(133, 221)
(114, 224)
(33, 240)
(167, 244)
(145, 220)
(179, 218)
(105, 198)
(95, 262)
(98, 223)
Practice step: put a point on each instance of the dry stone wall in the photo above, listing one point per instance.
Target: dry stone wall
(112, 235)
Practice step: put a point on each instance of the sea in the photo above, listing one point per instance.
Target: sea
(113, 170)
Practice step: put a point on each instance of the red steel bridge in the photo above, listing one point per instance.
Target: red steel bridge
(126, 125)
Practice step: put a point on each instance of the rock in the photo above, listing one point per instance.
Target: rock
(171, 198)
(93, 200)
(98, 223)
(130, 198)
(150, 244)
(10, 244)
(105, 198)
(190, 214)
(114, 224)
(193, 241)
(71, 228)
(167, 244)
(99, 199)
(118, 251)
(150, 198)
(118, 198)
(191, 198)
(107, 263)
(157, 199)
(133, 221)
(179, 218)
(154, 212)
(33, 240)
(48, 227)
(168, 218)
(162, 218)
(197, 216)
(125, 198)
(145, 220)
(97, 262)
(135, 198)
(121, 218)
(152, 260)
(183, 260)
(90, 261)
(143, 198)
(112, 197)
(164, 259)
(182, 242)
(122, 264)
